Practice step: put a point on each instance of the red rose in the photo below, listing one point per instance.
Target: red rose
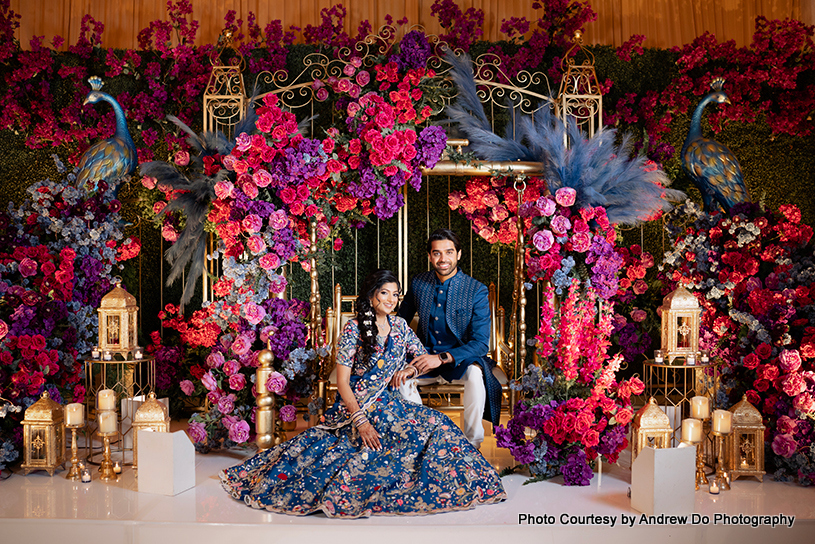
(751, 361)
(764, 351)
(761, 385)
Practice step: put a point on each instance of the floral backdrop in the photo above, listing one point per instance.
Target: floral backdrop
(60, 248)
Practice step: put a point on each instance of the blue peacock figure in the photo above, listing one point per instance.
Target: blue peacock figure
(711, 165)
(107, 160)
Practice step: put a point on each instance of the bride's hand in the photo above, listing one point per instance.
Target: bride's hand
(369, 436)
(401, 376)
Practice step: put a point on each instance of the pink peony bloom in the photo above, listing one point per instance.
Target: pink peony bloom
(27, 267)
(288, 413)
(231, 367)
(224, 189)
(543, 240)
(3, 329)
(197, 432)
(226, 404)
(159, 206)
(270, 261)
(640, 287)
(560, 225)
(169, 233)
(182, 158)
(256, 244)
(262, 178)
(241, 345)
(790, 360)
(279, 220)
(565, 196)
(215, 359)
(187, 387)
(253, 313)
(581, 242)
(252, 223)
(638, 315)
(148, 182)
(239, 432)
(784, 445)
(546, 206)
(787, 425)
(804, 403)
(237, 381)
(793, 384)
(209, 381)
(276, 383)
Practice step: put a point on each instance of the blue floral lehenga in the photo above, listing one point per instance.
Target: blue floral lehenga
(425, 466)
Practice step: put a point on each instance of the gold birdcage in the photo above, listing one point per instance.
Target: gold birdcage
(43, 436)
(744, 446)
(118, 321)
(152, 415)
(651, 427)
(680, 312)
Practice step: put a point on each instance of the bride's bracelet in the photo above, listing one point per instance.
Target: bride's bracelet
(358, 418)
(415, 371)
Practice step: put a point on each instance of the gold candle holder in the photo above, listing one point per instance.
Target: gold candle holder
(74, 473)
(106, 468)
(722, 477)
(701, 478)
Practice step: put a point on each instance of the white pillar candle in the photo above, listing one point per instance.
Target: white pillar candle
(704, 357)
(690, 359)
(700, 407)
(659, 357)
(74, 414)
(95, 352)
(108, 356)
(721, 421)
(691, 430)
(107, 421)
(138, 354)
(106, 400)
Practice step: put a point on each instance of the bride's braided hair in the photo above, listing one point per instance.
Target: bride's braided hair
(366, 316)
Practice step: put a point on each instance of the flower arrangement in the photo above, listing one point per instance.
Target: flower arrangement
(574, 409)
(58, 255)
(753, 273)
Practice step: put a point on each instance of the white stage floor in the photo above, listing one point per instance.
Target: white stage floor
(39, 508)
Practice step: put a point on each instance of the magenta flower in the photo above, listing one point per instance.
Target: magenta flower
(560, 225)
(3, 329)
(288, 413)
(270, 261)
(543, 240)
(187, 387)
(279, 220)
(226, 404)
(239, 432)
(224, 189)
(209, 381)
(237, 381)
(241, 345)
(252, 223)
(197, 432)
(546, 206)
(565, 196)
(276, 383)
(784, 445)
(804, 402)
(790, 360)
(256, 244)
(262, 178)
(581, 242)
(638, 315)
(231, 367)
(215, 359)
(27, 267)
(793, 384)
(182, 158)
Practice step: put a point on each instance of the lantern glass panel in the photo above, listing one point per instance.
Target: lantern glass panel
(39, 441)
(113, 329)
(683, 331)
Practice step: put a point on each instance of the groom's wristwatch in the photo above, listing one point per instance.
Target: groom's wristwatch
(445, 357)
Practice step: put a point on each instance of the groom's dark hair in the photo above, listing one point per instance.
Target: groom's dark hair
(443, 234)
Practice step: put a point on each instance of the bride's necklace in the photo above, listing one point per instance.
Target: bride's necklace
(380, 327)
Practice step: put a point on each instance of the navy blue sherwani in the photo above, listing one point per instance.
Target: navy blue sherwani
(459, 312)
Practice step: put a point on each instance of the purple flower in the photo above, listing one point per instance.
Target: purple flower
(288, 413)
(187, 387)
(546, 206)
(560, 225)
(197, 432)
(784, 445)
(276, 383)
(209, 381)
(576, 470)
(215, 359)
(231, 367)
(226, 404)
(239, 432)
(237, 381)
(27, 267)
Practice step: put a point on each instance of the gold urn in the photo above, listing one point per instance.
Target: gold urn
(152, 415)
(650, 427)
(43, 436)
(744, 446)
(118, 322)
(680, 312)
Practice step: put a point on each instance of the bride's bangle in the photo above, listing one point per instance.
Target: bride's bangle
(415, 371)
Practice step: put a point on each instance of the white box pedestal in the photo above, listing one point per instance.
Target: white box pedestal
(663, 481)
(166, 463)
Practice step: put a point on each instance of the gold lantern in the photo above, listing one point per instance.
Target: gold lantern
(151, 416)
(744, 446)
(43, 436)
(680, 312)
(651, 427)
(118, 321)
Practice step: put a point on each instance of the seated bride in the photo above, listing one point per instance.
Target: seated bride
(375, 453)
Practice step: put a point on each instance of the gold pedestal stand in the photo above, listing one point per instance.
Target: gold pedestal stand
(106, 468)
(74, 473)
(722, 478)
(701, 478)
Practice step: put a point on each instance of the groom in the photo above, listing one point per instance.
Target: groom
(454, 325)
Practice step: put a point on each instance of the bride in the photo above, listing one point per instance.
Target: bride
(374, 453)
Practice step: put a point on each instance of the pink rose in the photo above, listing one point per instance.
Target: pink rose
(159, 206)
(581, 242)
(269, 261)
(784, 445)
(262, 178)
(787, 425)
(288, 413)
(215, 359)
(253, 313)
(804, 402)
(591, 438)
(256, 244)
(640, 287)
(546, 206)
(148, 182)
(560, 225)
(638, 315)
(543, 240)
(224, 189)
(27, 267)
(279, 220)
(230, 367)
(239, 432)
(226, 404)
(276, 383)
(187, 387)
(241, 345)
(3, 329)
(237, 381)
(363, 78)
(252, 223)
(624, 416)
(197, 432)
(182, 158)
(565, 196)
(209, 381)
(793, 384)
(790, 360)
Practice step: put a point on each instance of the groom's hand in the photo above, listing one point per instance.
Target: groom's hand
(426, 362)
